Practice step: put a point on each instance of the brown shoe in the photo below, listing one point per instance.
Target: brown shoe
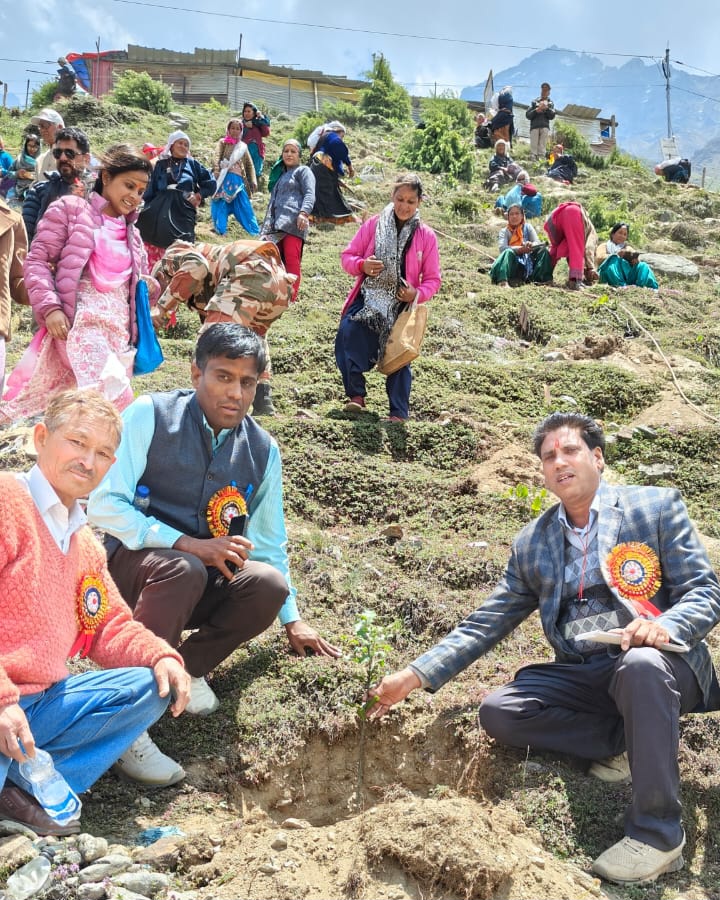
(17, 806)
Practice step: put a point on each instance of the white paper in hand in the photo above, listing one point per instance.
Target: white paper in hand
(615, 637)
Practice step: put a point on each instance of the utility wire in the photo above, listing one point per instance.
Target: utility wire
(416, 37)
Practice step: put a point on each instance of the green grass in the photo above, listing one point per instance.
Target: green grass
(479, 389)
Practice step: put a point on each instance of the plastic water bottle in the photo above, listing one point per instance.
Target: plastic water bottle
(31, 878)
(49, 787)
(141, 500)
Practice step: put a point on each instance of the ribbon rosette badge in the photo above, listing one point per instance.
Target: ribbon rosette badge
(91, 609)
(222, 507)
(633, 569)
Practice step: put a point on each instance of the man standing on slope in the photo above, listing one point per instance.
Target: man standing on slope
(605, 559)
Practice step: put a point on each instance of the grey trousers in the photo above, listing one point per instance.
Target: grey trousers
(170, 592)
(599, 708)
(538, 142)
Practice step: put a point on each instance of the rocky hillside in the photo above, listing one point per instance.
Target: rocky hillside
(414, 522)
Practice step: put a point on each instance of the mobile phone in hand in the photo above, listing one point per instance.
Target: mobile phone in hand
(236, 527)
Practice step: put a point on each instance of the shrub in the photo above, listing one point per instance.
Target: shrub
(385, 97)
(140, 90)
(447, 105)
(575, 143)
(215, 105)
(43, 94)
(625, 161)
(604, 213)
(438, 148)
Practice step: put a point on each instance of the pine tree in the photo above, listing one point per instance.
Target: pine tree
(385, 97)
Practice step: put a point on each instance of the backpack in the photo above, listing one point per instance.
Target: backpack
(314, 137)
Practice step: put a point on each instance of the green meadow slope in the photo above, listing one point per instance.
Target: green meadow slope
(415, 522)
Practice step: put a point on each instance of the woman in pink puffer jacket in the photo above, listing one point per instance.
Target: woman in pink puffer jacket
(81, 275)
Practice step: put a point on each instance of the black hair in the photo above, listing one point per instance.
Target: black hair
(589, 429)
(118, 159)
(71, 133)
(30, 136)
(409, 179)
(231, 341)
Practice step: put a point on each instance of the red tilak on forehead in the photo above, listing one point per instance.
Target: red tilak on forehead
(557, 443)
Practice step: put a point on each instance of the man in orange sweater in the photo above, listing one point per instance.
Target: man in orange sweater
(57, 600)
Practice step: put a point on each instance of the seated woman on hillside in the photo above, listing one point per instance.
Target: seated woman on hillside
(621, 266)
(522, 257)
(525, 195)
(502, 168)
(562, 165)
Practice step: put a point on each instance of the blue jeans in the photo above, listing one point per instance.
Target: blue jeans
(87, 721)
(356, 352)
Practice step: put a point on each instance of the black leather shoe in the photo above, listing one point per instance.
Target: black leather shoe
(17, 806)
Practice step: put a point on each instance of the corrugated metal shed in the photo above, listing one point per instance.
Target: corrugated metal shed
(293, 96)
(579, 112)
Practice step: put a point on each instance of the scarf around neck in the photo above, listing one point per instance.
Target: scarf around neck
(381, 307)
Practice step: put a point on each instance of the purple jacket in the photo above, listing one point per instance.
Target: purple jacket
(63, 243)
(422, 262)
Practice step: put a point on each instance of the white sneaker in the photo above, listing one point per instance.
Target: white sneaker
(632, 862)
(202, 698)
(612, 769)
(144, 762)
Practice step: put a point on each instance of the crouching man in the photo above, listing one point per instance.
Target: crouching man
(622, 564)
(57, 599)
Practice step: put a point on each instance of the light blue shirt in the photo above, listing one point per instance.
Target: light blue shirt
(111, 503)
(62, 523)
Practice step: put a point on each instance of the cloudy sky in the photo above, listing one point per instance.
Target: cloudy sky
(450, 44)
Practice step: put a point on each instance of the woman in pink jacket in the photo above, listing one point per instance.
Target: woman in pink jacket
(395, 258)
(81, 274)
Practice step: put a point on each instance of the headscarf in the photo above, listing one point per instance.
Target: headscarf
(174, 136)
(335, 126)
(295, 144)
(231, 140)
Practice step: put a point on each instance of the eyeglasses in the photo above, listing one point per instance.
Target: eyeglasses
(59, 152)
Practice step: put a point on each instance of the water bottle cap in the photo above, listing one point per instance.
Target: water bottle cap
(142, 490)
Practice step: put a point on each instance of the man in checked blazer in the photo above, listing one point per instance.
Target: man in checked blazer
(624, 560)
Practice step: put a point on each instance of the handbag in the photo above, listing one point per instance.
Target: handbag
(405, 339)
(167, 217)
(148, 352)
